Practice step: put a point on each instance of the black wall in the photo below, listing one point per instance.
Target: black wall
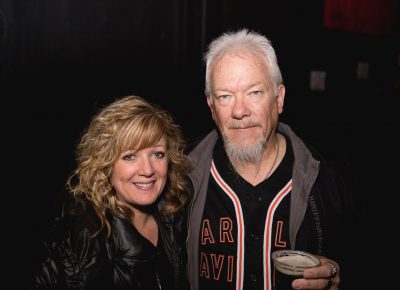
(60, 60)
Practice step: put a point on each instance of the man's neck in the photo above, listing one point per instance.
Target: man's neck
(255, 173)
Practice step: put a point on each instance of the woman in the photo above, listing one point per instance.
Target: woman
(119, 229)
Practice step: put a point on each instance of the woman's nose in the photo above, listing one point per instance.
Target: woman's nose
(146, 167)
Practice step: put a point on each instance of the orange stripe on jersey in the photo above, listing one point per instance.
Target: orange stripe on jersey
(268, 233)
(240, 221)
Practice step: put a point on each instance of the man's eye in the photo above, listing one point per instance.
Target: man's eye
(223, 97)
(224, 100)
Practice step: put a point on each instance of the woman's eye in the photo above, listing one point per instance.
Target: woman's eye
(130, 156)
(159, 154)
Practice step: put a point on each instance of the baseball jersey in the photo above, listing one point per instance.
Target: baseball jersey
(243, 224)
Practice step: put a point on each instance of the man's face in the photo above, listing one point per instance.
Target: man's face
(243, 104)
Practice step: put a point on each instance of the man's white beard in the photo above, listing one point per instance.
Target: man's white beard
(245, 155)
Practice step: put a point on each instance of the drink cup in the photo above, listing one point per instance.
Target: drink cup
(289, 265)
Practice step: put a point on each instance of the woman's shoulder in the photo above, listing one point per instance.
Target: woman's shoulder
(68, 247)
(76, 222)
(79, 213)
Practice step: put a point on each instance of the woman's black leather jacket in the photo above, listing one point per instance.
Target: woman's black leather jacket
(73, 259)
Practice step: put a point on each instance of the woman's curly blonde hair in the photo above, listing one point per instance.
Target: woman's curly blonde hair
(129, 123)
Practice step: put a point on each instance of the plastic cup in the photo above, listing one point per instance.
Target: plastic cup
(289, 265)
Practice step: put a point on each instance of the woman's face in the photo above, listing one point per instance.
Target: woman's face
(139, 176)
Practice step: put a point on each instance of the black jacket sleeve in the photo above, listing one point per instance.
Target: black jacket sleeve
(70, 256)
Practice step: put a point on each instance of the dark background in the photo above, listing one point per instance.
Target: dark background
(61, 60)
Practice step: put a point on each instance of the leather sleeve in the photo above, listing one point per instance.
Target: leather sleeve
(70, 257)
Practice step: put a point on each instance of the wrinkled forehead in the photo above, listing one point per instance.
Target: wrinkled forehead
(231, 59)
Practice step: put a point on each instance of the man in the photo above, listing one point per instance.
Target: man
(257, 187)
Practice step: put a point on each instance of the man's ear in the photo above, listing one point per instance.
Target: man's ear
(211, 106)
(280, 98)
